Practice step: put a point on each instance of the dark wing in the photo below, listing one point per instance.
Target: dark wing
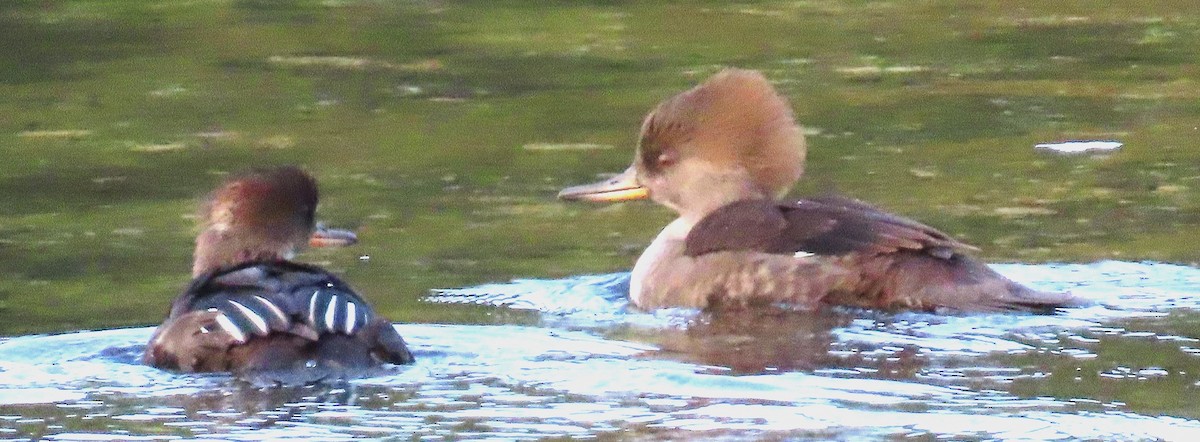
(272, 318)
(828, 225)
(261, 298)
(744, 225)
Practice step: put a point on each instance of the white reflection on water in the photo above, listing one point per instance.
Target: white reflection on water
(686, 378)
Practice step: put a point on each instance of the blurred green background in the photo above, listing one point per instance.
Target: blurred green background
(440, 131)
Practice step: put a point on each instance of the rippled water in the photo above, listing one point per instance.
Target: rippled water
(594, 367)
(440, 132)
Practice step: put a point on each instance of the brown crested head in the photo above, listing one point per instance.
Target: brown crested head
(260, 214)
(733, 136)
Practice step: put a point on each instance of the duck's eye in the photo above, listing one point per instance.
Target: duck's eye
(666, 158)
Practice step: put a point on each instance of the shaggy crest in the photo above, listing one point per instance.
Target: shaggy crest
(736, 117)
(262, 214)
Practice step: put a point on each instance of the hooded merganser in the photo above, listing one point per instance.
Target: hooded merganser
(720, 155)
(251, 310)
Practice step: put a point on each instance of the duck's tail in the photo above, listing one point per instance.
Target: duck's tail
(959, 282)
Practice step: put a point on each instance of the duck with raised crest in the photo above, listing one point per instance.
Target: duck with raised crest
(721, 155)
(252, 311)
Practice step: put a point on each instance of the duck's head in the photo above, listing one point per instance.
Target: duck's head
(731, 138)
(263, 214)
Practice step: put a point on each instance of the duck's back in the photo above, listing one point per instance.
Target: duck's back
(273, 316)
(846, 252)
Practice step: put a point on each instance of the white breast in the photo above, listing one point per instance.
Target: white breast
(666, 246)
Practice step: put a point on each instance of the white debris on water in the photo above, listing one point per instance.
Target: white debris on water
(352, 63)
(158, 147)
(48, 134)
(1080, 146)
(566, 146)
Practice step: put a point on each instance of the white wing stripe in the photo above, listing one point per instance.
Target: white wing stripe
(312, 308)
(351, 317)
(331, 313)
(230, 328)
(274, 309)
(259, 323)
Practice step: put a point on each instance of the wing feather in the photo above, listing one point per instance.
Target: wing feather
(828, 225)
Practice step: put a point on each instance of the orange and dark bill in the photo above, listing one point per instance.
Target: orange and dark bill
(623, 187)
(326, 237)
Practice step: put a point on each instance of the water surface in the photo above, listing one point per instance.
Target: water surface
(441, 131)
(596, 368)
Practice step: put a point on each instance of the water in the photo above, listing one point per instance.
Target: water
(595, 368)
(440, 132)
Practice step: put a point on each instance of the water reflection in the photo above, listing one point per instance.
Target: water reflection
(430, 117)
(596, 368)
(755, 341)
(470, 382)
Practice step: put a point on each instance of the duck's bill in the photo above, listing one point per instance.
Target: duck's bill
(326, 237)
(623, 187)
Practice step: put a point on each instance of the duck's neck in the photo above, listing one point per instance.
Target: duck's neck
(700, 188)
(216, 249)
(662, 255)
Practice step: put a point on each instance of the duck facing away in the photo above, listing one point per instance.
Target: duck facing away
(252, 311)
(721, 155)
